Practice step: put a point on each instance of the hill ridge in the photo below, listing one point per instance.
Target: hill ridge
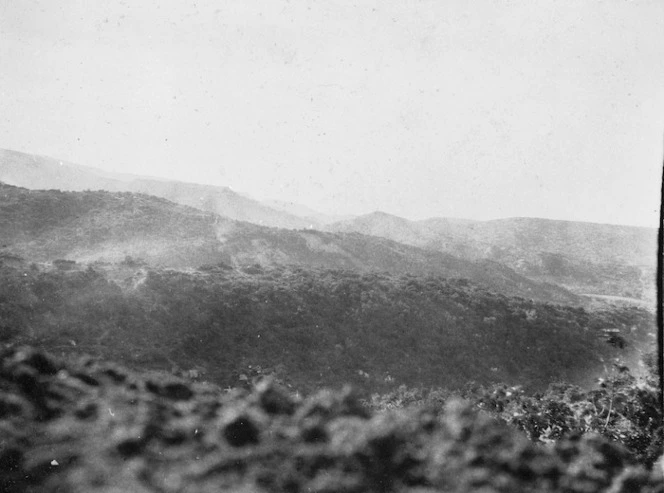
(51, 173)
(88, 226)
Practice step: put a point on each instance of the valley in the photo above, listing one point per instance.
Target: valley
(331, 247)
(547, 326)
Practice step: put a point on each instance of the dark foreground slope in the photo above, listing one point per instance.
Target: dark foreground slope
(315, 328)
(96, 427)
(46, 225)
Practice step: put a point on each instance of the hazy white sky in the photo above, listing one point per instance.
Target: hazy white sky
(484, 109)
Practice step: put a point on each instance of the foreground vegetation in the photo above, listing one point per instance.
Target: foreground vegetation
(407, 343)
(90, 427)
(623, 409)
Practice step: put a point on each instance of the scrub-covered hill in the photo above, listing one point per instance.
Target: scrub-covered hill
(315, 328)
(40, 172)
(47, 225)
(587, 258)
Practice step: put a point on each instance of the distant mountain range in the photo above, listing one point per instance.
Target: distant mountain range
(38, 172)
(311, 215)
(47, 225)
(586, 258)
(589, 242)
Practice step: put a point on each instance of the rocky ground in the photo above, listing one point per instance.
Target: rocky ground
(96, 427)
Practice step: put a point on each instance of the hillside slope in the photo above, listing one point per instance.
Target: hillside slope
(584, 257)
(104, 226)
(315, 327)
(588, 259)
(43, 173)
(49, 225)
(316, 218)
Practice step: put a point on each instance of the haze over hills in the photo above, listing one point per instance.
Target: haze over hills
(109, 226)
(587, 258)
(317, 218)
(39, 172)
(162, 285)
(590, 242)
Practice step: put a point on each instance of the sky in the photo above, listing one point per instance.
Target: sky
(419, 108)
